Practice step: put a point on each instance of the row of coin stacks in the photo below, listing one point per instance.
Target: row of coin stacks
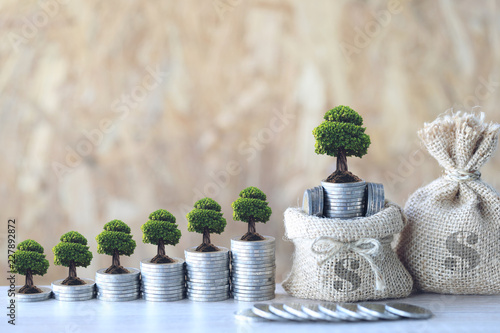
(207, 271)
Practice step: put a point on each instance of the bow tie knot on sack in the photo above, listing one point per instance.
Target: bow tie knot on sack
(327, 248)
(351, 260)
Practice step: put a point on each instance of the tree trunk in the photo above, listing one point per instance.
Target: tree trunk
(72, 269)
(251, 227)
(161, 247)
(206, 236)
(116, 258)
(341, 160)
(29, 278)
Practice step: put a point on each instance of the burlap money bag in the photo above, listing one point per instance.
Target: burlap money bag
(346, 260)
(452, 241)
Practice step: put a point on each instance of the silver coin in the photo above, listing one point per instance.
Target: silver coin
(377, 310)
(248, 276)
(86, 294)
(192, 252)
(44, 295)
(77, 294)
(164, 291)
(133, 274)
(208, 291)
(266, 242)
(313, 311)
(262, 258)
(73, 298)
(408, 310)
(255, 288)
(255, 271)
(352, 310)
(118, 292)
(263, 311)
(204, 276)
(324, 183)
(343, 217)
(250, 293)
(165, 296)
(161, 288)
(201, 295)
(209, 282)
(162, 299)
(118, 286)
(266, 291)
(252, 299)
(57, 285)
(251, 255)
(279, 310)
(210, 299)
(117, 295)
(251, 280)
(248, 315)
(146, 263)
(251, 265)
(217, 269)
(162, 271)
(308, 202)
(207, 260)
(114, 299)
(164, 282)
(296, 310)
(330, 309)
(345, 209)
(205, 287)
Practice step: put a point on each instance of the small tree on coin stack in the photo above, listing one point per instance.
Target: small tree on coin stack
(341, 135)
(161, 230)
(115, 241)
(206, 218)
(29, 260)
(251, 207)
(72, 252)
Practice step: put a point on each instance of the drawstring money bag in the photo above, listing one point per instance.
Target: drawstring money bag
(452, 241)
(346, 260)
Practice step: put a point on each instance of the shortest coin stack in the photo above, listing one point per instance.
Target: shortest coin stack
(37, 297)
(118, 287)
(253, 269)
(73, 293)
(163, 282)
(207, 275)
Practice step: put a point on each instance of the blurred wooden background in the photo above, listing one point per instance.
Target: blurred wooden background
(113, 109)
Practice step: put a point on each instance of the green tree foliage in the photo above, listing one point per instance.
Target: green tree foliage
(115, 237)
(251, 207)
(161, 230)
(29, 255)
(341, 135)
(206, 218)
(72, 252)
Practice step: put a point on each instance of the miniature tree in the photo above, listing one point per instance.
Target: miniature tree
(341, 135)
(29, 260)
(115, 241)
(72, 252)
(251, 207)
(206, 218)
(160, 230)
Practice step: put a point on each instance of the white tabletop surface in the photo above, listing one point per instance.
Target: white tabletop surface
(452, 314)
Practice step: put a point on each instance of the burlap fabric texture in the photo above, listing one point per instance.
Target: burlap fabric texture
(346, 260)
(452, 241)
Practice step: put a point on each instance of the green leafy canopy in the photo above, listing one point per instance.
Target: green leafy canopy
(206, 214)
(161, 226)
(342, 128)
(73, 247)
(251, 206)
(116, 236)
(29, 255)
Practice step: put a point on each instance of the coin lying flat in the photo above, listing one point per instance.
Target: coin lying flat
(377, 310)
(296, 310)
(352, 310)
(408, 310)
(248, 315)
(330, 309)
(263, 311)
(279, 310)
(313, 311)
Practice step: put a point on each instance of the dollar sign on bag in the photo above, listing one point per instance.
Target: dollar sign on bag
(457, 249)
(344, 269)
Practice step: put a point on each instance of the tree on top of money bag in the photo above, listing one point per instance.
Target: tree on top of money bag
(206, 218)
(161, 230)
(251, 207)
(115, 241)
(29, 260)
(341, 135)
(72, 252)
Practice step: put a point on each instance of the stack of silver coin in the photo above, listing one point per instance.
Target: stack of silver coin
(376, 198)
(344, 200)
(207, 275)
(73, 293)
(118, 287)
(163, 282)
(253, 269)
(37, 297)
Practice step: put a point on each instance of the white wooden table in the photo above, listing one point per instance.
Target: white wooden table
(452, 314)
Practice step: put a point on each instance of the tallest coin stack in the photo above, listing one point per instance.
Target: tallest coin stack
(253, 269)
